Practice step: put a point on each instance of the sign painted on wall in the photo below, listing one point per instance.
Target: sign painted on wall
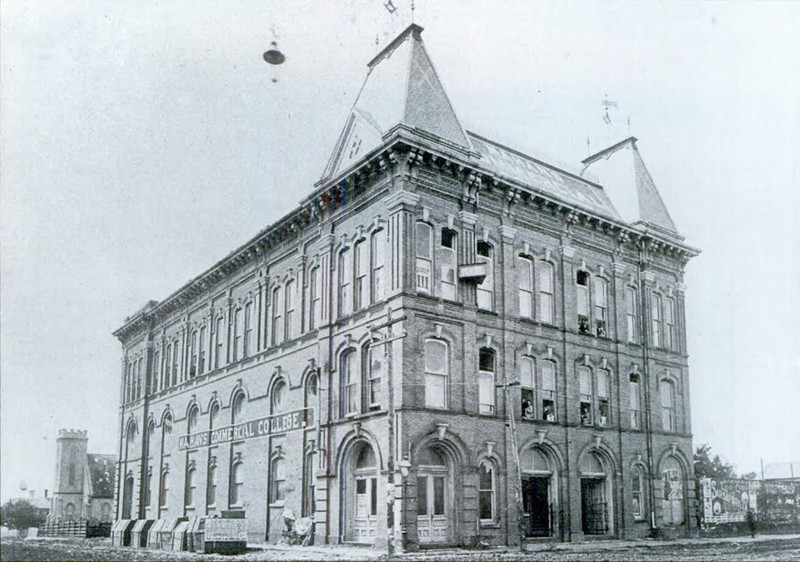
(270, 425)
(727, 501)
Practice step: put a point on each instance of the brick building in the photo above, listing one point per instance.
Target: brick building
(443, 325)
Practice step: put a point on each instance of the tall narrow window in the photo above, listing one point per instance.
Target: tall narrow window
(349, 382)
(448, 264)
(424, 261)
(168, 367)
(603, 397)
(175, 356)
(437, 369)
(191, 486)
(585, 382)
(211, 491)
(546, 295)
(638, 492)
(313, 299)
(345, 278)
(631, 313)
(290, 300)
(277, 480)
(636, 410)
(148, 487)
(248, 330)
(237, 408)
(278, 397)
(218, 341)
(192, 420)
(525, 281)
(669, 323)
(486, 288)
(128, 385)
(193, 355)
(600, 290)
(667, 406)
(486, 381)
(378, 260)
(277, 317)
(486, 496)
(308, 505)
(527, 382)
(139, 364)
(374, 374)
(201, 365)
(164, 488)
(237, 483)
(655, 313)
(237, 334)
(548, 390)
(582, 293)
(361, 269)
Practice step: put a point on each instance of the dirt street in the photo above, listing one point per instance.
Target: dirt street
(740, 548)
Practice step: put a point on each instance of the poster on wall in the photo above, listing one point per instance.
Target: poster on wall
(727, 501)
(781, 501)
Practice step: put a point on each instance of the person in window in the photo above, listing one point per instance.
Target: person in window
(601, 329)
(586, 414)
(527, 409)
(548, 413)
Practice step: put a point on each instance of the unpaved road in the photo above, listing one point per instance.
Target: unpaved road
(763, 548)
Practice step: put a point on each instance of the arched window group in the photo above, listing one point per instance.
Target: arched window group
(437, 372)
(529, 282)
(537, 389)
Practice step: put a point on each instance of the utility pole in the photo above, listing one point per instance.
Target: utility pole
(512, 427)
(387, 360)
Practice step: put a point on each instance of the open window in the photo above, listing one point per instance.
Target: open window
(582, 293)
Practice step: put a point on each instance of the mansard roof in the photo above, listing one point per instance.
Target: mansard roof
(401, 88)
(623, 174)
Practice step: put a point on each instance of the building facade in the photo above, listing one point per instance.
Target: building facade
(447, 342)
(84, 482)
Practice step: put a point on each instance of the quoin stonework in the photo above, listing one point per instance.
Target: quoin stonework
(449, 341)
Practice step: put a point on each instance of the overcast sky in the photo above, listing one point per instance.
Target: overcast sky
(142, 141)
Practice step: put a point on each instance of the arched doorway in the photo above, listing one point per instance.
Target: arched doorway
(361, 494)
(672, 502)
(596, 506)
(539, 492)
(435, 512)
(127, 497)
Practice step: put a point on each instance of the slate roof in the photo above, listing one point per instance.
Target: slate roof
(101, 474)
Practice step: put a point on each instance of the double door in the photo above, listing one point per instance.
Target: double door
(536, 504)
(366, 509)
(433, 513)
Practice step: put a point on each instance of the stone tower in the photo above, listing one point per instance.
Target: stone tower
(68, 489)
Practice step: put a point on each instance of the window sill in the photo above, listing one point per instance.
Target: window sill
(489, 525)
(279, 503)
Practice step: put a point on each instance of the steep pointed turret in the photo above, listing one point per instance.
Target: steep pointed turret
(401, 88)
(630, 187)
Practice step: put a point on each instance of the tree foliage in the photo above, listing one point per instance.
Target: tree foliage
(20, 514)
(707, 467)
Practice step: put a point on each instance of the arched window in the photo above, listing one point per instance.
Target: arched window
(668, 419)
(349, 382)
(148, 487)
(632, 313)
(673, 482)
(547, 390)
(237, 407)
(635, 402)
(69, 512)
(130, 441)
(191, 486)
(175, 356)
(527, 382)
(486, 492)
(289, 308)
(585, 383)
(277, 316)
(277, 480)
(151, 433)
(247, 345)
(448, 263)
(155, 380)
(219, 335)
(485, 254)
(193, 347)
(669, 323)
(582, 294)
(237, 335)
(211, 491)
(600, 294)
(167, 367)
(437, 370)
(237, 483)
(360, 294)
(655, 314)
(525, 286)
(378, 261)
(546, 293)
(314, 291)
(603, 397)
(278, 396)
(374, 372)
(486, 369)
(192, 419)
(201, 365)
(139, 365)
(213, 414)
(164, 488)
(310, 398)
(345, 280)
(638, 492)
(424, 257)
